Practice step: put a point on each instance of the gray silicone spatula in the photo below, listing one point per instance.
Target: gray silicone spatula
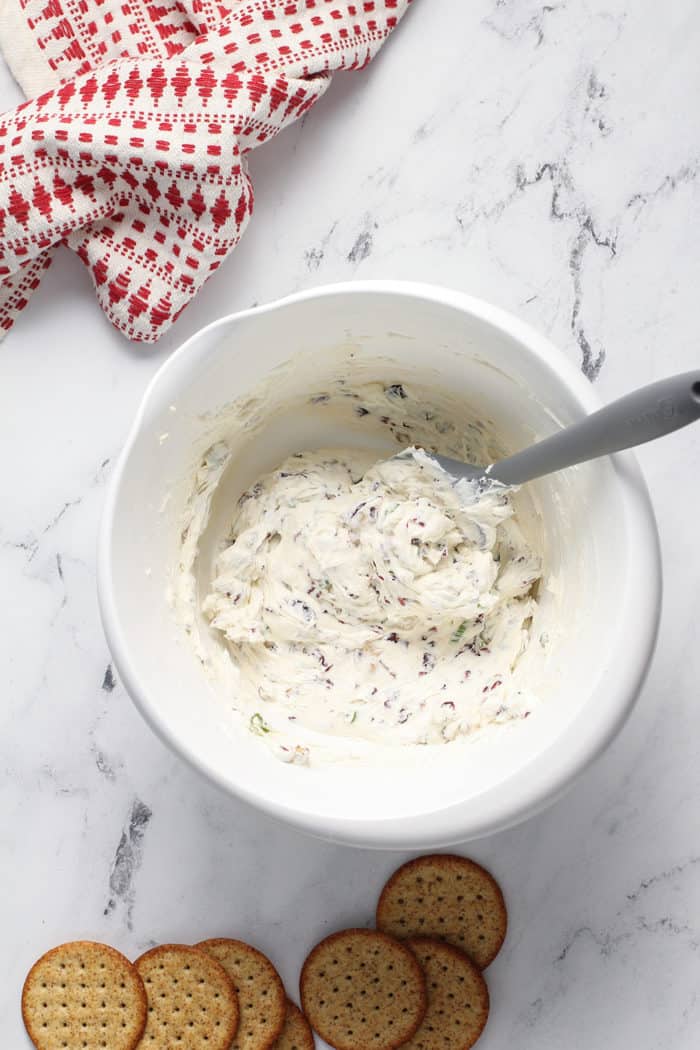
(639, 417)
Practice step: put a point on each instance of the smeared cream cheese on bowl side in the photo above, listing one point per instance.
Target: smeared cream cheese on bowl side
(352, 604)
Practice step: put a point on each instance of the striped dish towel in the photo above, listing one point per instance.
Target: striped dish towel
(133, 149)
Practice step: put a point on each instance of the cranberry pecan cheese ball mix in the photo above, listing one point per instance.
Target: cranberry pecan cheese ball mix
(361, 600)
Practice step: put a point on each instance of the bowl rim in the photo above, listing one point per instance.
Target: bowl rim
(537, 783)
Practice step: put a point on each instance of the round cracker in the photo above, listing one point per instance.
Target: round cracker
(191, 1001)
(261, 995)
(458, 999)
(296, 1034)
(362, 990)
(84, 994)
(447, 897)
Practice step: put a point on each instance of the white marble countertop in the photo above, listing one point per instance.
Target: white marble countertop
(545, 157)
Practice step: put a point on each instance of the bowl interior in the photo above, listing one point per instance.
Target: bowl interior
(462, 355)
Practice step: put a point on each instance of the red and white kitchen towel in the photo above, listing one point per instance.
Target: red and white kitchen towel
(132, 149)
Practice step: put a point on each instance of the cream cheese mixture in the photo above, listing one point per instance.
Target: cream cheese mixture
(355, 604)
(376, 602)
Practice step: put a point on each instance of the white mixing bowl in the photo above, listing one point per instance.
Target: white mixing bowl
(597, 525)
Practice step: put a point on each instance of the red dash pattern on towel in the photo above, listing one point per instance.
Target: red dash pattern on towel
(133, 152)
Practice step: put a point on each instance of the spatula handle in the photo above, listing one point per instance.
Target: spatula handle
(639, 417)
